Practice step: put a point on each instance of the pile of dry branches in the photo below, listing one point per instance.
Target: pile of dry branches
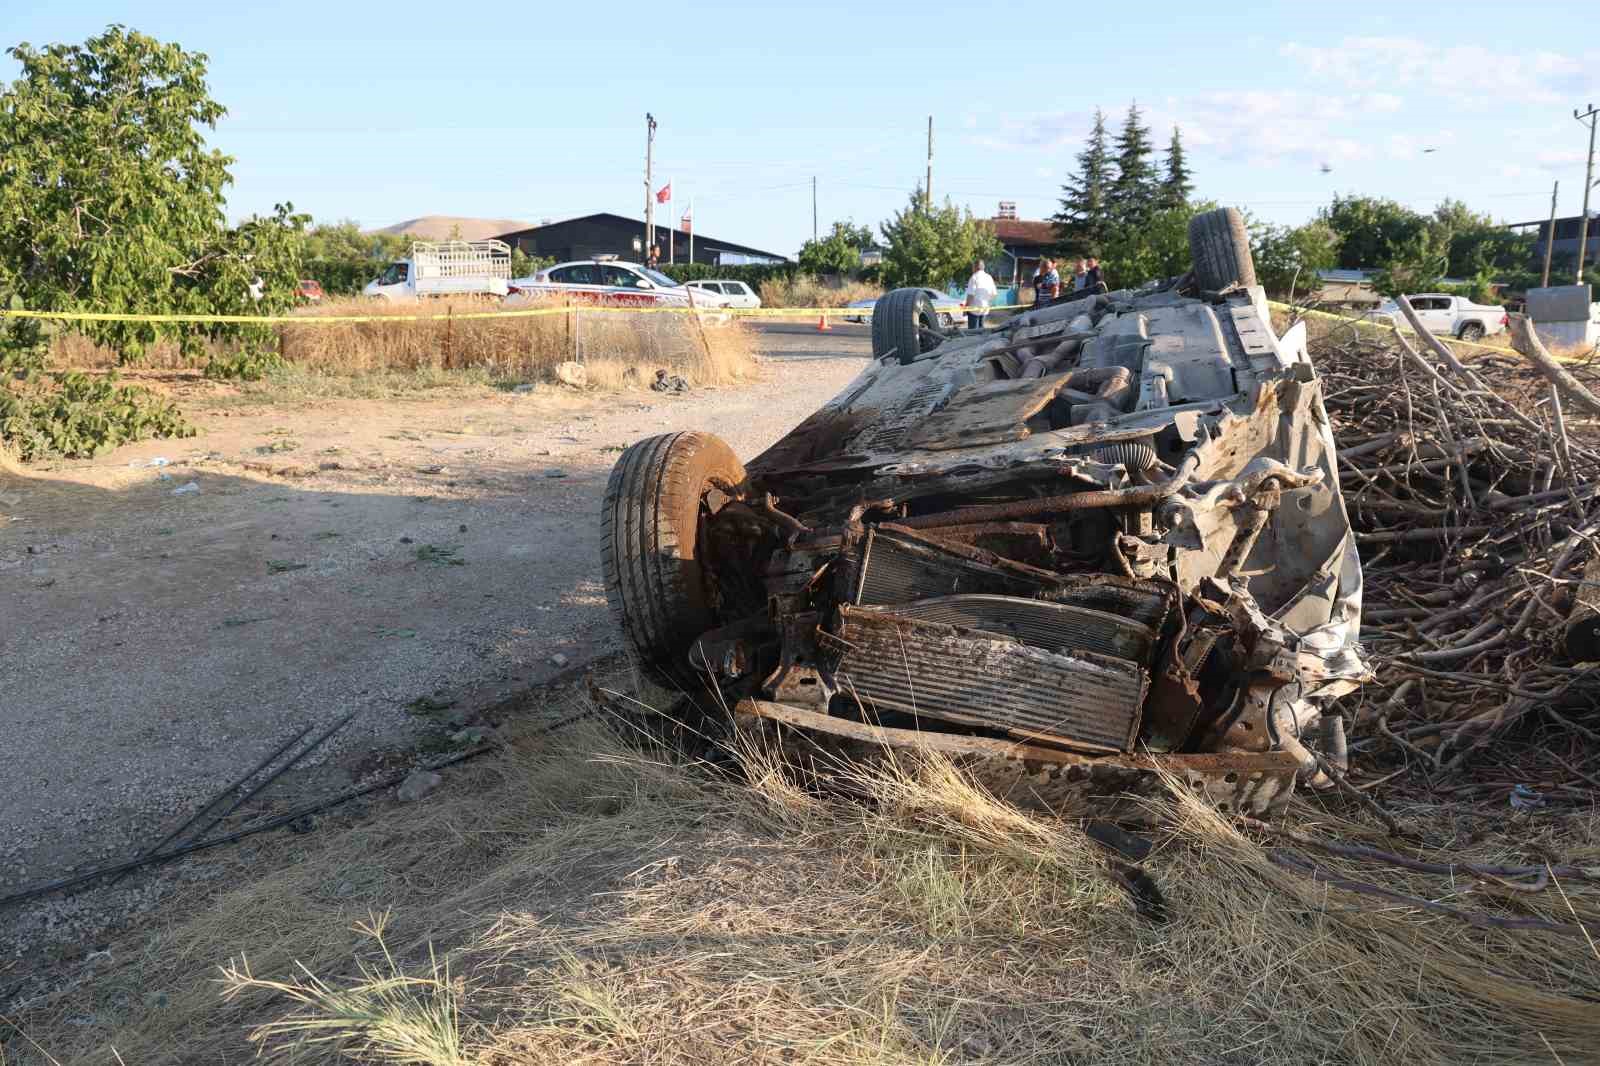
(1476, 502)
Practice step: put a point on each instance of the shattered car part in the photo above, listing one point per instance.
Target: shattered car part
(1099, 542)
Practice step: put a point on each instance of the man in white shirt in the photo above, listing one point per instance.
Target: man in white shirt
(981, 292)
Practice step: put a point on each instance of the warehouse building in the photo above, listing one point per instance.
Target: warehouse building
(606, 234)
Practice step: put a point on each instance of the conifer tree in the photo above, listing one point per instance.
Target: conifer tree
(1132, 194)
(1083, 222)
(1177, 185)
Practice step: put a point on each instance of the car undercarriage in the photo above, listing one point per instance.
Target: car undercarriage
(1099, 543)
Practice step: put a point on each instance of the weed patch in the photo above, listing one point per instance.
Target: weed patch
(440, 554)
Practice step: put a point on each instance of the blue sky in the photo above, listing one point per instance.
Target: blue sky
(387, 110)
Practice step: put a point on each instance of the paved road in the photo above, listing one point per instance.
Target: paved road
(153, 646)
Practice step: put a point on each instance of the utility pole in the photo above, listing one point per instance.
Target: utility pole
(927, 186)
(1588, 183)
(1550, 236)
(813, 207)
(649, 192)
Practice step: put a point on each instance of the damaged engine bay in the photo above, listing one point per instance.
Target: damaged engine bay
(1101, 540)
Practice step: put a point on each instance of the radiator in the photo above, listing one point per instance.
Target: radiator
(1055, 627)
(933, 670)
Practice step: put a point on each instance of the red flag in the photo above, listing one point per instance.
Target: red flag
(665, 194)
(687, 222)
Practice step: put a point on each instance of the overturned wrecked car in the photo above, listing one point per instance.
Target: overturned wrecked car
(1098, 542)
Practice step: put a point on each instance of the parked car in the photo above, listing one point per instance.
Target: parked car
(1453, 316)
(310, 290)
(445, 268)
(610, 282)
(736, 293)
(1102, 541)
(948, 308)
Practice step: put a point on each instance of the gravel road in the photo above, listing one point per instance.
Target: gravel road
(344, 555)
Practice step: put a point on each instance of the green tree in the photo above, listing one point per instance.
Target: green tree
(1158, 248)
(934, 247)
(111, 201)
(1371, 230)
(1133, 193)
(523, 264)
(1177, 184)
(1084, 222)
(346, 240)
(1289, 257)
(837, 253)
(1416, 265)
(1477, 245)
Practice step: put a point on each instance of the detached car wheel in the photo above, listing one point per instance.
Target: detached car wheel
(650, 546)
(1220, 248)
(904, 323)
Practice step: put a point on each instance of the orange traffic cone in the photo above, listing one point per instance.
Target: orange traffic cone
(822, 324)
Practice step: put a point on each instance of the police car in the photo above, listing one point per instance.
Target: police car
(607, 281)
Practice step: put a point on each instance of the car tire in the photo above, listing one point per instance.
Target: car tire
(899, 320)
(1472, 331)
(650, 550)
(1220, 248)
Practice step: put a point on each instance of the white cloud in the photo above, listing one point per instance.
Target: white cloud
(1463, 73)
(1267, 126)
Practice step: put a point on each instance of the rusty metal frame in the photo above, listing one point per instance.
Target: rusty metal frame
(1040, 777)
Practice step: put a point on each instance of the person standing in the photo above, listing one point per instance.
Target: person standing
(1096, 281)
(653, 260)
(981, 291)
(1046, 283)
(1080, 275)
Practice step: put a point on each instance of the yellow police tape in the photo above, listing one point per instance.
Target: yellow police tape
(456, 316)
(586, 308)
(1363, 322)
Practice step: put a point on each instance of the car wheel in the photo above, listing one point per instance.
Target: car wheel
(904, 323)
(1220, 248)
(650, 551)
(1472, 331)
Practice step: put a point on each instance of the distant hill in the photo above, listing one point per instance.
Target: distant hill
(439, 227)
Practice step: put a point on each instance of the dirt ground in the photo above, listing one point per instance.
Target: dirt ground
(158, 640)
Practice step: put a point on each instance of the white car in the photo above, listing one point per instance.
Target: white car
(949, 308)
(609, 282)
(736, 293)
(1453, 316)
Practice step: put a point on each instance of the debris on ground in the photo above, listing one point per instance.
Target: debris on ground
(417, 785)
(573, 374)
(1476, 501)
(666, 382)
(188, 489)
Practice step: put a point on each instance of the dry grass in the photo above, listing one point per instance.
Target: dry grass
(608, 342)
(618, 349)
(577, 901)
(803, 290)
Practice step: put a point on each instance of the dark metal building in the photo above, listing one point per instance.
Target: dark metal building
(607, 234)
(1566, 236)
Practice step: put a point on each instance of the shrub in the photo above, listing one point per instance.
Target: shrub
(803, 290)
